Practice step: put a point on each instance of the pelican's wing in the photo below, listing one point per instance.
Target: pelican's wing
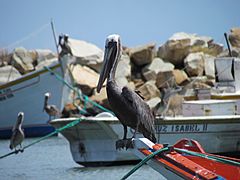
(139, 107)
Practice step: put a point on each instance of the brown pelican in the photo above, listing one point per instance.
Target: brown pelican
(127, 105)
(17, 133)
(162, 107)
(51, 110)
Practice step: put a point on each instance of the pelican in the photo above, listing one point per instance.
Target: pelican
(162, 107)
(127, 105)
(17, 133)
(51, 110)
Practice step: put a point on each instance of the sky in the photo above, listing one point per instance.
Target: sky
(26, 23)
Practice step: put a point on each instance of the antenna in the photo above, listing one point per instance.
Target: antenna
(229, 49)
(56, 44)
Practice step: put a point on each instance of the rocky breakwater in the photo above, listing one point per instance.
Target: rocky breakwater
(185, 60)
(22, 61)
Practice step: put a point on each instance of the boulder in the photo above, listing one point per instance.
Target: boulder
(149, 90)
(101, 97)
(87, 54)
(234, 37)
(8, 73)
(150, 71)
(180, 76)
(209, 66)
(181, 44)
(44, 54)
(194, 64)
(142, 55)
(124, 67)
(46, 63)
(85, 78)
(165, 79)
(153, 102)
(22, 60)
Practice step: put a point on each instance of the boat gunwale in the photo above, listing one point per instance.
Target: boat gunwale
(28, 76)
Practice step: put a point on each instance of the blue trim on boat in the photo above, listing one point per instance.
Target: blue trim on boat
(36, 131)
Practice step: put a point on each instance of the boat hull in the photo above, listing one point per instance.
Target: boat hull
(92, 142)
(27, 95)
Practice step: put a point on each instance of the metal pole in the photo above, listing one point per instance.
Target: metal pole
(56, 44)
(229, 49)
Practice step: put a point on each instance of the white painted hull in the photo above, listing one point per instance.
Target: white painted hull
(92, 142)
(27, 94)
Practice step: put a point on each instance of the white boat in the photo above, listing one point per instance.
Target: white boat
(213, 120)
(27, 94)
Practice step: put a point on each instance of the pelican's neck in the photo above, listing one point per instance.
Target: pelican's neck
(113, 72)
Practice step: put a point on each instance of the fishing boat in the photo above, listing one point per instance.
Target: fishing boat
(213, 119)
(186, 159)
(26, 94)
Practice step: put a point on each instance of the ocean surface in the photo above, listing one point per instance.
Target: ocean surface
(52, 159)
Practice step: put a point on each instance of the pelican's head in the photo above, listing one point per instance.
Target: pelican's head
(47, 95)
(112, 54)
(20, 119)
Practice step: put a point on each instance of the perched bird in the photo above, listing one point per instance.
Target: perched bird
(51, 110)
(162, 107)
(17, 133)
(128, 106)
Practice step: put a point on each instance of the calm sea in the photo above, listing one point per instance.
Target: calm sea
(51, 159)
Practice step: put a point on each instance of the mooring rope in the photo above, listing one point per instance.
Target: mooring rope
(144, 160)
(71, 124)
(85, 98)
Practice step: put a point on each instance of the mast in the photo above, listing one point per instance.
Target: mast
(228, 45)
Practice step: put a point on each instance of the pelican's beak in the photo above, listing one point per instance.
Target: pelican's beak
(108, 61)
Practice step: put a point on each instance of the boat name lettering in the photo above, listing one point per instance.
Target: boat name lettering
(181, 128)
(6, 94)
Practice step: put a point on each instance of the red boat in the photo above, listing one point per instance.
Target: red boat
(186, 160)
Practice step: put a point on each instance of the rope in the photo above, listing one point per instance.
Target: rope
(140, 164)
(34, 33)
(208, 156)
(86, 99)
(71, 124)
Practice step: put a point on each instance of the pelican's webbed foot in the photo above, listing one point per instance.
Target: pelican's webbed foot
(120, 144)
(124, 143)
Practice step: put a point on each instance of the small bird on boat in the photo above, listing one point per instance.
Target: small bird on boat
(51, 110)
(130, 108)
(17, 133)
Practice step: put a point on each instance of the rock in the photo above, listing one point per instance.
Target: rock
(150, 71)
(165, 79)
(87, 54)
(180, 76)
(124, 67)
(194, 64)
(85, 78)
(46, 63)
(44, 54)
(100, 98)
(181, 44)
(22, 60)
(235, 52)
(234, 37)
(142, 55)
(153, 102)
(70, 110)
(209, 66)
(149, 90)
(8, 73)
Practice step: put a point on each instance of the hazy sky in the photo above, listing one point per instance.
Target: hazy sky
(27, 22)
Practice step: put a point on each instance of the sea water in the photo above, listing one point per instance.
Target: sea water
(51, 159)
